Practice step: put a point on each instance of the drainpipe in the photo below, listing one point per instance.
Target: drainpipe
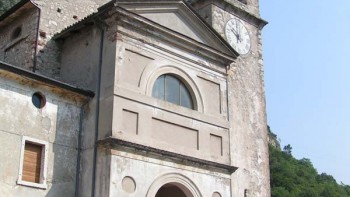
(98, 93)
(77, 173)
(37, 38)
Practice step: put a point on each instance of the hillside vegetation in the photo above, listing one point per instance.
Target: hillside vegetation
(291, 177)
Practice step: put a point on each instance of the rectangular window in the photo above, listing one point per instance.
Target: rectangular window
(33, 163)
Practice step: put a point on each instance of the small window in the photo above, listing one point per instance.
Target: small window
(38, 100)
(170, 88)
(33, 163)
(16, 33)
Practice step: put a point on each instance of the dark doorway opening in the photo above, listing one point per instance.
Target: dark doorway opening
(173, 190)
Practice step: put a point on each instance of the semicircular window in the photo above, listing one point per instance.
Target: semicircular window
(169, 88)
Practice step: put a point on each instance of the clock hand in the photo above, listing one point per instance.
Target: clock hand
(234, 32)
(238, 35)
(240, 32)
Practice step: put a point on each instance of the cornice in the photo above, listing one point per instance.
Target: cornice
(115, 143)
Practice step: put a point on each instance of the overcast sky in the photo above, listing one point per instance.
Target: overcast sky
(307, 79)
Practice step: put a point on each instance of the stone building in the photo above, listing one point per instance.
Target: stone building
(143, 98)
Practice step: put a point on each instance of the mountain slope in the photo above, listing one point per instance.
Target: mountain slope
(291, 177)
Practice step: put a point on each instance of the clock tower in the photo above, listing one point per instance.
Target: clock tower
(239, 23)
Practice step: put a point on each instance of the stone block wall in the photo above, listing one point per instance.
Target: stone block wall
(18, 39)
(249, 149)
(55, 17)
(248, 115)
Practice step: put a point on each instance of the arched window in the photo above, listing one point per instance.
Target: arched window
(169, 88)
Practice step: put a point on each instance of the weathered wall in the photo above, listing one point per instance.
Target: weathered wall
(80, 61)
(55, 16)
(251, 6)
(19, 51)
(57, 123)
(248, 115)
(249, 150)
(79, 58)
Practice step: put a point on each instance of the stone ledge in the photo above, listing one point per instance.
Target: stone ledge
(114, 143)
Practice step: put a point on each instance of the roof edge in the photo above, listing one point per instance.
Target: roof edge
(42, 78)
(224, 58)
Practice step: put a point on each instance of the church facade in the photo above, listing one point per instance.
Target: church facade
(133, 98)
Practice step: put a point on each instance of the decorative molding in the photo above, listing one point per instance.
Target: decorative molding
(177, 179)
(114, 143)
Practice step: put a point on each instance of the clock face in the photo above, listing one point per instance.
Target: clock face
(237, 36)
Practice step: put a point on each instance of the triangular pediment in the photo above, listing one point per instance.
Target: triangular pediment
(176, 22)
(179, 17)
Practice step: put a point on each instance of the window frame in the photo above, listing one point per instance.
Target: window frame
(152, 72)
(44, 160)
(181, 85)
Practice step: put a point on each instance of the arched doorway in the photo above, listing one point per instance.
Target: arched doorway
(173, 190)
(173, 185)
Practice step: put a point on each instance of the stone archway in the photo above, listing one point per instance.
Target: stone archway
(173, 183)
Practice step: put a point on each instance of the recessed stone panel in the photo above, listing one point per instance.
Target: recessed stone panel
(212, 98)
(133, 65)
(215, 145)
(174, 134)
(130, 122)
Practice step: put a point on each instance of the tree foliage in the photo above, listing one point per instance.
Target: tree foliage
(291, 177)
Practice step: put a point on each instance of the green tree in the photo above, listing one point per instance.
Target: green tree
(291, 177)
(288, 149)
(323, 177)
(280, 191)
(308, 193)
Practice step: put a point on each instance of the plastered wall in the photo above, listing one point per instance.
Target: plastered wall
(57, 123)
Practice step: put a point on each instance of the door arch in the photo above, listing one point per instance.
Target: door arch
(173, 182)
(173, 190)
